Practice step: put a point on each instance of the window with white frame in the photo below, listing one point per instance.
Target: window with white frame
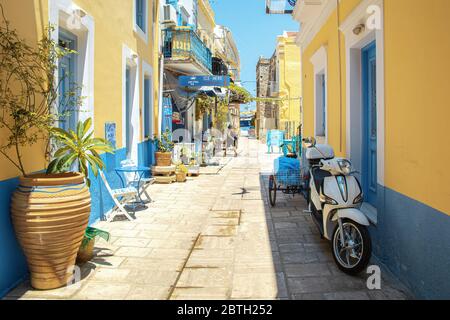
(320, 106)
(147, 96)
(184, 16)
(319, 61)
(140, 8)
(78, 67)
(130, 103)
(140, 14)
(129, 86)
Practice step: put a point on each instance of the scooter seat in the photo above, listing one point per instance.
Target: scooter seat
(319, 177)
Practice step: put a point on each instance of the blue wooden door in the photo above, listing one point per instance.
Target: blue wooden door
(146, 155)
(205, 123)
(369, 77)
(67, 106)
(148, 118)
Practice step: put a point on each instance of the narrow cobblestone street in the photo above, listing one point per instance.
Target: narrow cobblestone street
(216, 237)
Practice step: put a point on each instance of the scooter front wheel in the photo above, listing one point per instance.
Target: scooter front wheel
(354, 254)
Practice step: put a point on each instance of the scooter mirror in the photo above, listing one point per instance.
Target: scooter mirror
(310, 142)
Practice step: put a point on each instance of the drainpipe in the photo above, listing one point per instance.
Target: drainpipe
(161, 70)
(338, 16)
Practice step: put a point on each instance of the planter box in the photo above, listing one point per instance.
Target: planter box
(194, 170)
(163, 159)
(181, 177)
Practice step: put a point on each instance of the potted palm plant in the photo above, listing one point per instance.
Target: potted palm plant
(164, 148)
(50, 211)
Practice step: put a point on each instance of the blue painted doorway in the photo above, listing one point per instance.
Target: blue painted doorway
(67, 73)
(369, 88)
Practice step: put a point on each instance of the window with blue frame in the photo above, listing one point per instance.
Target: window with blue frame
(128, 110)
(148, 114)
(140, 14)
(195, 14)
(67, 106)
(321, 105)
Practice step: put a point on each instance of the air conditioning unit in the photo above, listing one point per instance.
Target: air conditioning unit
(169, 16)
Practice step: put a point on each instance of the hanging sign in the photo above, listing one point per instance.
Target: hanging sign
(110, 133)
(176, 118)
(167, 115)
(204, 81)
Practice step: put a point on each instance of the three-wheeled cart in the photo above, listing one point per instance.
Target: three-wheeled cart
(289, 177)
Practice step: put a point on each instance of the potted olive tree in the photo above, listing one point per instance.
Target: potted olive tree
(50, 211)
(164, 148)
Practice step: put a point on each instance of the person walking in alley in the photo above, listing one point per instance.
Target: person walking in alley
(231, 139)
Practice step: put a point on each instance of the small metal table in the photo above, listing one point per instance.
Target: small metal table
(139, 172)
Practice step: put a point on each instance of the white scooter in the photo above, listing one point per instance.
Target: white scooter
(335, 197)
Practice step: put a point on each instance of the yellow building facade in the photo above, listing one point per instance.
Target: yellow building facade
(117, 66)
(206, 23)
(286, 84)
(375, 82)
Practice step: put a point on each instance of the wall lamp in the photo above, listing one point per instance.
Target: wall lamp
(79, 12)
(359, 28)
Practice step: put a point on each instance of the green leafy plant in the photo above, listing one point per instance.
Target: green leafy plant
(239, 94)
(184, 155)
(164, 143)
(29, 91)
(93, 233)
(221, 117)
(203, 104)
(193, 160)
(78, 147)
(182, 168)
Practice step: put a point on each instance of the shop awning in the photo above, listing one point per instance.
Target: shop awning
(209, 91)
(183, 97)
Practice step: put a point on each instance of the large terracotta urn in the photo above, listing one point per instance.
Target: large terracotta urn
(163, 159)
(50, 214)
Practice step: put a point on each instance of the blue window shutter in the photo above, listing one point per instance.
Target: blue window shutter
(140, 14)
(324, 106)
(147, 111)
(128, 109)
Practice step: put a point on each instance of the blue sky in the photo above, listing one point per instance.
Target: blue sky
(254, 31)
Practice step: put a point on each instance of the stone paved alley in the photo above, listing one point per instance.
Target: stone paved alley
(216, 237)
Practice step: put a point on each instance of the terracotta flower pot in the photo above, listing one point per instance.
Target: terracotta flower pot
(163, 159)
(181, 177)
(86, 253)
(50, 214)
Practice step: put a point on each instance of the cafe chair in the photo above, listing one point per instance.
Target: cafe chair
(120, 197)
(132, 180)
